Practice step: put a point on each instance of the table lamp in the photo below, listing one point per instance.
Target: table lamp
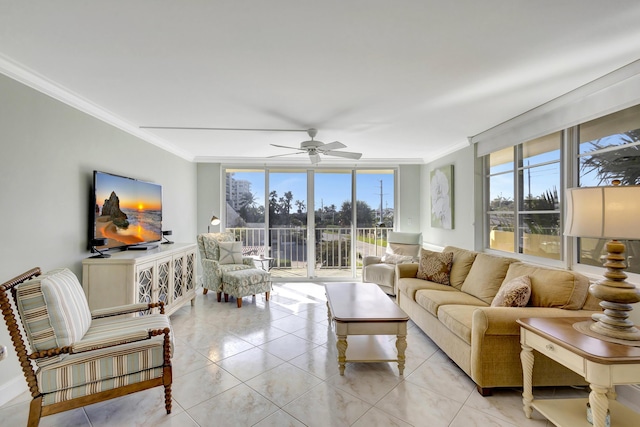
(214, 221)
(609, 213)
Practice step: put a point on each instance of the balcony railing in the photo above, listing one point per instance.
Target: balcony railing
(288, 246)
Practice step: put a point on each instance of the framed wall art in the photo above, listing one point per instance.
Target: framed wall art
(442, 197)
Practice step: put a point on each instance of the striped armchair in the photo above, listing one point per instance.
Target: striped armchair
(213, 264)
(82, 357)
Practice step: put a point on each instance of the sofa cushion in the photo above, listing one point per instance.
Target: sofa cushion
(409, 286)
(432, 299)
(486, 275)
(552, 287)
(458, 319)
(513, 293)
(435, 266)
(462, 262)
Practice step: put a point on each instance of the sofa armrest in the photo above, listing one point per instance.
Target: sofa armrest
(406, 270)
(502, 320)
(368, 260)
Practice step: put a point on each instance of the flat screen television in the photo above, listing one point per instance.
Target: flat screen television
(126, 212)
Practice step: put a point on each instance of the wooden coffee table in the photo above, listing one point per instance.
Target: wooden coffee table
(363, 309)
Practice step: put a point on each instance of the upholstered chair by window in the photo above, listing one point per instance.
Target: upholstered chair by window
(401, 248)
(71, 356)
(219, 252)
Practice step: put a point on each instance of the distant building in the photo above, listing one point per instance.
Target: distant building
(235, 189)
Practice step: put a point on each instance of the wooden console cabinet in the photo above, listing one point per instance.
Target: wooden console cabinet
(167, 274)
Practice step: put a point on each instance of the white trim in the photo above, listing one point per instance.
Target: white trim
(610, 93)
(430, 247)
(12, 389)
(324, 163)
(40, 83)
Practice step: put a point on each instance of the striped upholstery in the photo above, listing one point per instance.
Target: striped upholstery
(109, 384)
(54, 311)
(98, 370)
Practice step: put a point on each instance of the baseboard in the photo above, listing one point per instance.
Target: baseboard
(629, 395)
(12, 389)
(431, 247)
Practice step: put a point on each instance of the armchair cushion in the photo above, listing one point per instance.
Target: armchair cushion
(396, 259)
(230, 252)
(106, 368)
(54, 310)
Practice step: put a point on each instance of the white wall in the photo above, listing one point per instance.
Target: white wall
(209, 202)
(410, 192)
(48, 152)
(463, 232)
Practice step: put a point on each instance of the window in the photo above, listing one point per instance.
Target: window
(608, 149)
(524, 205)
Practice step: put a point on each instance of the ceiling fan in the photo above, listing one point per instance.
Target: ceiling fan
(315, 148)
(312, 147)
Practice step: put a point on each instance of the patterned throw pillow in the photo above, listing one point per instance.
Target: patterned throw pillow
(514, 293)
(230, 252)
(435, 266)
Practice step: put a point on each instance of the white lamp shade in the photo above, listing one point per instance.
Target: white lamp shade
(215, 220)
(603, 212)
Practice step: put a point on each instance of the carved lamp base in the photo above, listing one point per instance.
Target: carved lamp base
(617, 296)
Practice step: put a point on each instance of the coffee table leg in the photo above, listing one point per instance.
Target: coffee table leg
(328, 313)
(401, 346)
(341, 344)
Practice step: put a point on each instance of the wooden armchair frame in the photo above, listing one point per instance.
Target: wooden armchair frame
(37, 410)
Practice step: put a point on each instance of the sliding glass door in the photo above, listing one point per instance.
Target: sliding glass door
(303, 222)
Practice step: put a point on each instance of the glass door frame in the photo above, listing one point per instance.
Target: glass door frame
(311, 208)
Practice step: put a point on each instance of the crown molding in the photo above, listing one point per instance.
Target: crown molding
(244, 161)
(40, 83)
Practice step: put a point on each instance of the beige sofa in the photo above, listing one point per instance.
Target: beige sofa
(484, 341)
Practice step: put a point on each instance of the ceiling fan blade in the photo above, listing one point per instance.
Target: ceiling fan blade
(345, 154)
(315, 158)
(333, 146)
(287, 154)
(284, 146)
(206, 128)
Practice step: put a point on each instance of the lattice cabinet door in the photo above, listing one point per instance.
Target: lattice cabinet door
(145, 275)
(163, 290)
(190, 271)
(178, 277)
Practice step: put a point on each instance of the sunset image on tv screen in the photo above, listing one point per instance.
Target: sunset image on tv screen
(127, 211)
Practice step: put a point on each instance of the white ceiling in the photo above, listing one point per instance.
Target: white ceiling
(401, 81)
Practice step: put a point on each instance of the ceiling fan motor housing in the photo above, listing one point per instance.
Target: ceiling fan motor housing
(305, 145)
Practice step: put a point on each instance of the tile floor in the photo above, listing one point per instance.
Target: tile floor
(274, 364)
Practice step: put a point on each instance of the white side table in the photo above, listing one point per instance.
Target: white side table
(602, 364)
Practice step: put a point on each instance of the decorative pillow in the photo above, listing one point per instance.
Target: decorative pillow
(435, 266)
(230, 252)
(396, 259)
(514, 293)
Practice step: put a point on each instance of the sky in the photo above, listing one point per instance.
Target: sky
(132, 194)
(330, 188)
